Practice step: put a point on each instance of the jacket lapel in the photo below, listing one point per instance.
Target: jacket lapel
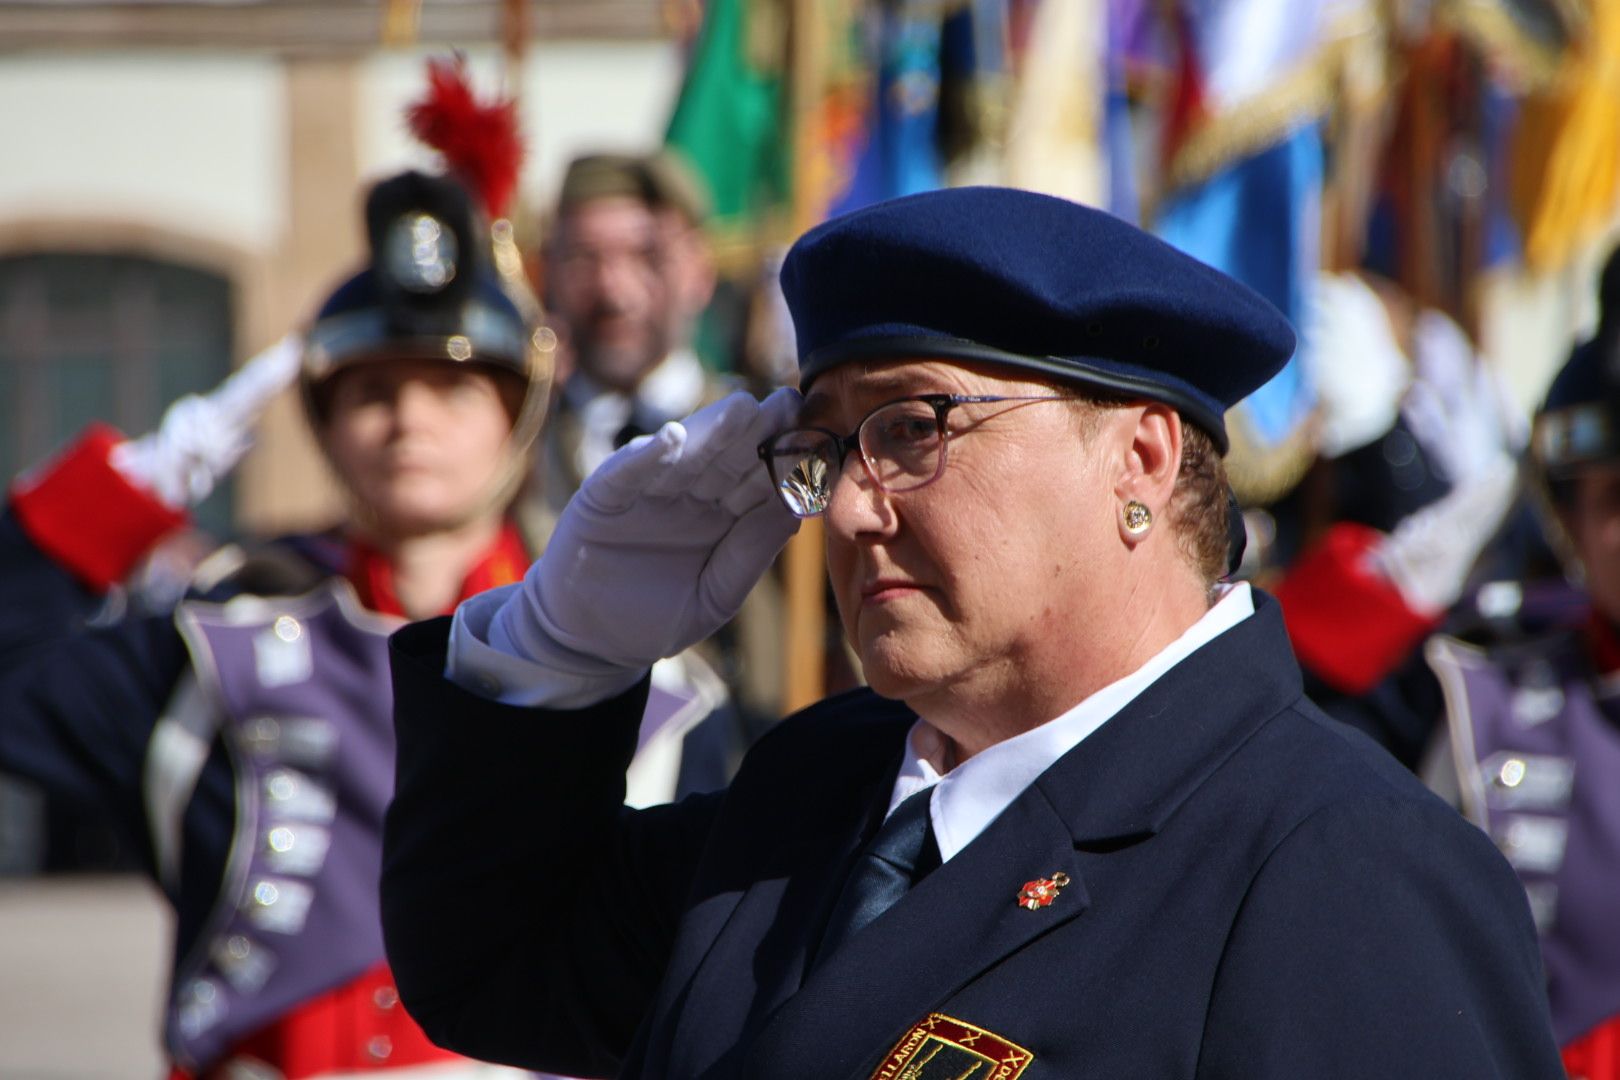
(1136, 770)
(960, 920)
(742, 953)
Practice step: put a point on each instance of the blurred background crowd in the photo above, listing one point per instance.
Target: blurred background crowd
(1426, 187)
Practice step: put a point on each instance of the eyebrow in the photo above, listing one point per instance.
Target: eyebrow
(884, 386)
(813, 413)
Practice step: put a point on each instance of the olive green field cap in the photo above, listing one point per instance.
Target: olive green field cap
(660, 180)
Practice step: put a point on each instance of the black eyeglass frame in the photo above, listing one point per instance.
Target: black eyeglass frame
(942, 405)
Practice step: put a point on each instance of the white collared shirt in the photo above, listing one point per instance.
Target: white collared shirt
(969, 797)
(670, 391)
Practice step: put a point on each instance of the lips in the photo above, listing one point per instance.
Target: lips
(880, 590)
(411, 467)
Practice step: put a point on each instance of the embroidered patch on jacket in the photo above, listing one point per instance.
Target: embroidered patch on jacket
(943, 1048)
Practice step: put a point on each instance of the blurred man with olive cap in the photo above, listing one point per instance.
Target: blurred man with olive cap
(1082, 824)
(626, 274)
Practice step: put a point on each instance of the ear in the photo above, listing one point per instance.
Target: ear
(1152, 460)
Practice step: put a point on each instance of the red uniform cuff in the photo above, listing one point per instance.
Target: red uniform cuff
(1596, 1055)
(86, 515)
(1349, 626)
(357, 1027)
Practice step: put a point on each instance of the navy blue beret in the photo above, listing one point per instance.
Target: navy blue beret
(1035, 282)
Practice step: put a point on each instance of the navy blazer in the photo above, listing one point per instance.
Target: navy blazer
(1255, 892)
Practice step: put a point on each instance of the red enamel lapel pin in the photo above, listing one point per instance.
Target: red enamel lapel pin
(1042, 891)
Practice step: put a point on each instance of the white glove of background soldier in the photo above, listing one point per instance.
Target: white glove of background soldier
(1429, 555)
(654, 553)
(202, 437)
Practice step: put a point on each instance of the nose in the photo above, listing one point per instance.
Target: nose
(856, 506)
(413, 404)
(618, 283)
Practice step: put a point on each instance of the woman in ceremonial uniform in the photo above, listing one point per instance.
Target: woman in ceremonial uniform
(1533, 720)
(246, 742)
(1083, 822)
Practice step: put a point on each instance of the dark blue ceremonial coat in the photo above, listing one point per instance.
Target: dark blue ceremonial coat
(77, 709)
(92, 714)
(78, 704)
(1255, 892)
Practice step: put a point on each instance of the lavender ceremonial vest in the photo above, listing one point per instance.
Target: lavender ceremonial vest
(1535, 733)
(302, 689)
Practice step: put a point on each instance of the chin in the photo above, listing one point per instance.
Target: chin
(412, 519)
(892, 672)
(1607, 601)
(620, 366)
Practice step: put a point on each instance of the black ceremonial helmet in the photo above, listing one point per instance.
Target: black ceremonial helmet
(431, 292)
(1578, 425)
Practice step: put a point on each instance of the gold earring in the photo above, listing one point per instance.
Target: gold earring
(1138, 518)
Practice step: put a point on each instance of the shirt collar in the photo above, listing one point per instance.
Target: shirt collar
(670, 391)
(969, 797)
(675, 387)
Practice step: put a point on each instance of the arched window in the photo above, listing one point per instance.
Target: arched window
(88, 336)
(113, 337)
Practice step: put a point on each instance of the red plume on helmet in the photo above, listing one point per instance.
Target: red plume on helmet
(443, 281)
(480, 142)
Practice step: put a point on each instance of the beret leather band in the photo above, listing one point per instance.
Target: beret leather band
(1071, 369)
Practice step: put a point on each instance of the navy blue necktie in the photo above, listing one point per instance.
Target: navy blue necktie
(901, 853)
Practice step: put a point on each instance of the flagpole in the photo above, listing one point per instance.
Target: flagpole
(805, 632)
(401, 22)
(514, 43)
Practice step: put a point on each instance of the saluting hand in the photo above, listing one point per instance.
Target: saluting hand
(658, 548)
(203, 436)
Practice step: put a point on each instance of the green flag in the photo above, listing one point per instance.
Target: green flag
(729, 118)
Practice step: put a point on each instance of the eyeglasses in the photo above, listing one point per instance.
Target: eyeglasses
(902, 444)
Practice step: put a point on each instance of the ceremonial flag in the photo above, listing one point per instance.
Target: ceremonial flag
(728, 119)
(1568, 158)
(1055, 132)
(935, 86)
(1244, 158)
(1259, 219)
(899, 152)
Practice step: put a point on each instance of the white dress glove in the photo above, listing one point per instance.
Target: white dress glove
(1429, 555)
(202, 437)
(654, 553)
